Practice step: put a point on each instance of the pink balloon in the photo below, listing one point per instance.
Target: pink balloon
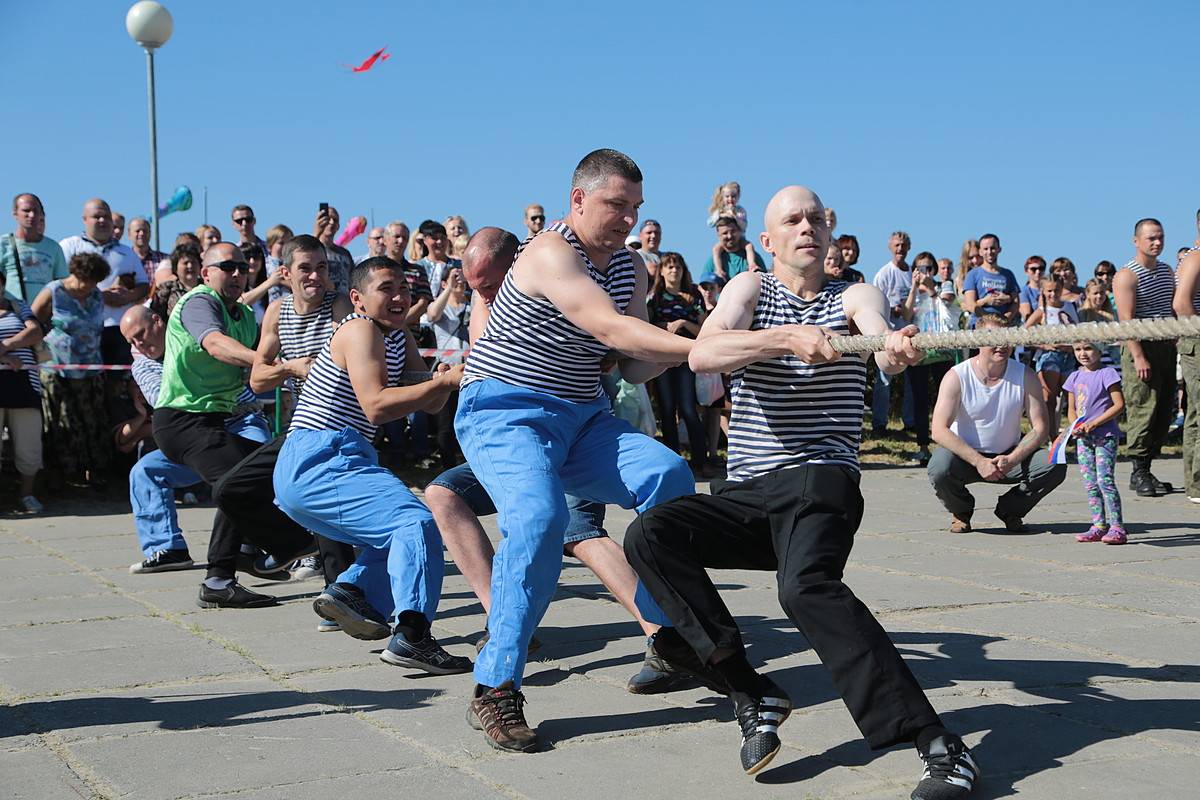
(355, 227)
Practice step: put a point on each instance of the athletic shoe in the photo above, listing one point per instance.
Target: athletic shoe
(425, 655)
(759, 717)
(1115, 535)
(921, 457)
(500, 714)
(268, 565)
(328, 626)
(535, 644)
(345, 605)
(680, 657)
(246, 562)
(1093, 534)
(1194, 499)
(31, 505)
(163, 561)
(950, 771)
(307, 567)
(232, 596)
(657, 676)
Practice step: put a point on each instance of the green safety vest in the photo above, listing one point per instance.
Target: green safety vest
(192, 379)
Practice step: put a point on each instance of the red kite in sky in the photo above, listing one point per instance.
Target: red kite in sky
(378, 55)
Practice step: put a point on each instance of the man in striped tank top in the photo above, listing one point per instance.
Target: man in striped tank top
(1187, 304)
(294, 329)
(534, 423)
(328, 476)
(792, 502)
(1144, 289)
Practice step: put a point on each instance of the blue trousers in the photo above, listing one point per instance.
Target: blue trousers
(528, 449)
(331, 483)
(154, 479)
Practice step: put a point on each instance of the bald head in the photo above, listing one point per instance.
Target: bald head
(488, 257)
(797, 233)
(222, 251)
(97, 220)
(145, 330)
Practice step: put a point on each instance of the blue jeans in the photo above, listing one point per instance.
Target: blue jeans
(528, 449)
(881, 401)
(331, 483)
(154, 479)
(586, 519)
(677, 395)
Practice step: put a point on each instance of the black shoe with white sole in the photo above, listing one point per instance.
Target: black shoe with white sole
(950, 770)
(426, 655)
(759, 716)
(345, 605)
(162, 561)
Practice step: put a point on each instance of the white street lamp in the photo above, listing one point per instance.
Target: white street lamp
(150, 25)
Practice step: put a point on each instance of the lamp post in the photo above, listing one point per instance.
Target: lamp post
(150, 25)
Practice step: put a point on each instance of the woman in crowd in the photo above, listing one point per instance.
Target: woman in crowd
(260, 282)
(183, 277)
(848, 244)
(458, 234)
(21, 392)
(450, 315)
(968, 260)
(1031, 292)
(76, 416)
(933, 307)
(834, 262)
(1053, 362)
(208, 236)
(1064, 269)
(675, 304)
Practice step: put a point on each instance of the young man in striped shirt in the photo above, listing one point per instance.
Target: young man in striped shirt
(534, 423)
(1144, 289)
(792, 502)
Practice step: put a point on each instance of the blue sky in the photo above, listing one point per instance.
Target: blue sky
(1055, 125)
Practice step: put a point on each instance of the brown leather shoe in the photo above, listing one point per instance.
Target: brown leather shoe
(499, 714)
(960, 524)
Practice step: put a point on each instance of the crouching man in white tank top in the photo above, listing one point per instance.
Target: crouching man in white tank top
(977, 423)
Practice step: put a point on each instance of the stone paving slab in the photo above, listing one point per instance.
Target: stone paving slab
(1073, 670)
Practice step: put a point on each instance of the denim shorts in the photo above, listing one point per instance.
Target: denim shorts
(1055, 361)
(586, 517)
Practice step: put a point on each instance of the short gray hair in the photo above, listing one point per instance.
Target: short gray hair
(599, 165)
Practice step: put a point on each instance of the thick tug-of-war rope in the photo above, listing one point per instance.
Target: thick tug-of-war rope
(1138, 329)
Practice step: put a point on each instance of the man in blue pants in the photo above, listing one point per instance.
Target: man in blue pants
(534, 423)
(154, 478)
(328, 477)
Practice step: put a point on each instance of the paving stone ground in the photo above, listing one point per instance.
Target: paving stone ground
(1072, 670)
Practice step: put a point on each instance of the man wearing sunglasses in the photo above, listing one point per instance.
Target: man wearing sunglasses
(535, 219)
(209, 341)
(243, 222)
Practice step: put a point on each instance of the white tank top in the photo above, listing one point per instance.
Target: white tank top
(989, 417)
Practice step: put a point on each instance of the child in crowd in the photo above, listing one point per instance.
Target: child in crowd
(1097, 307)
(1053, 361)
(1094, 395)
(725, 204)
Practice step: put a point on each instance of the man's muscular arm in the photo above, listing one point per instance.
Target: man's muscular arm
(551, 268)
(1125, 293)
(266, 372)
(866, 309)
(634, 370)
(944, 411)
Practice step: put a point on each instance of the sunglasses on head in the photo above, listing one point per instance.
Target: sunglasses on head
(232, 266)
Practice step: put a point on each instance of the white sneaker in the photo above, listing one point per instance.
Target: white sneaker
(33, 506)
(1194, 499)
(305, 568)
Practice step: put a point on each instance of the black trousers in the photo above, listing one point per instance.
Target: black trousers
(920, 378)
(200, 441)
(250, 483)
(799, 522)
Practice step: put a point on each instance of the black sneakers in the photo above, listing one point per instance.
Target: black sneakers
(678, 656)
(232, 596)
(759, 716)
(658, 676)
(950, 771)
(162, 561)
(345, 605)
(426, 655)
(500, 714)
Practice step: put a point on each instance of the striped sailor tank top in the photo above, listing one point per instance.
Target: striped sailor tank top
(1155, 290)
(1196, 294)
(787, 413)
(529, 343)
(304, 335)
(328, 402)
